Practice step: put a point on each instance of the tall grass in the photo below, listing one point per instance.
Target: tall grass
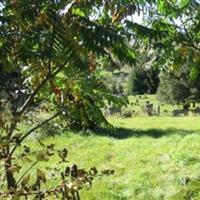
(153, 158)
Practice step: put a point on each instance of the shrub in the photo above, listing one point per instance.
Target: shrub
(127, 112)
(51, 129)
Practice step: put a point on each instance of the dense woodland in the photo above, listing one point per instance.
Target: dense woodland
(78, 66)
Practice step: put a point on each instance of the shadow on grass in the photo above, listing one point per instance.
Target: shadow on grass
(123, 133)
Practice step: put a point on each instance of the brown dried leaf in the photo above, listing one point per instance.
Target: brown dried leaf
(14, 168)
(25, 180)
(41, 175)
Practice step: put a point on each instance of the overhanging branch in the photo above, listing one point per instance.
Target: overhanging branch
(41, 85)
(33, 129)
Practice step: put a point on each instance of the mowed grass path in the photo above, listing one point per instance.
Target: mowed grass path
(153, 158)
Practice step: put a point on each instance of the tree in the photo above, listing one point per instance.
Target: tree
(179, 50)
(179, 87)
(174, 39)
(143, 77)
(48, 52)
(177, 25)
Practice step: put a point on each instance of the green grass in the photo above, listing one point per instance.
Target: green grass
(153, 158)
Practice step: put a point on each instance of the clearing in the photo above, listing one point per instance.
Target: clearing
(153, 158)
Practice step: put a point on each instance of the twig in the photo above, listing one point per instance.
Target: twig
(35, 92)
(33, 129)
(27, 171)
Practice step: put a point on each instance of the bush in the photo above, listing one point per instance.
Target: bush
(127, 112)
(51, 129)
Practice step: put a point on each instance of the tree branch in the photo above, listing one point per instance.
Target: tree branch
(12, 128)
(33, 129)
(191, 45)
(27, 171)
(40, 192)
(35, 92)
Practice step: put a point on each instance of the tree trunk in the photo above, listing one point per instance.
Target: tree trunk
(11, 182)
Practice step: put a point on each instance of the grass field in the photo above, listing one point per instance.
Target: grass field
(153, 158)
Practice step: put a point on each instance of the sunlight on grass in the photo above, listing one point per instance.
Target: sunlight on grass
(151, 157)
